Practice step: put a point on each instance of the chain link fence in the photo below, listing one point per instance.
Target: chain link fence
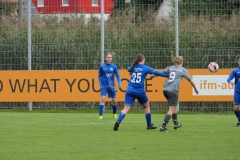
(66, 35)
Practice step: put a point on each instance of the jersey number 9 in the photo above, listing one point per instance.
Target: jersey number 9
(172, 76)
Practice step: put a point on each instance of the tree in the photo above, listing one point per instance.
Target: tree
(7, 8)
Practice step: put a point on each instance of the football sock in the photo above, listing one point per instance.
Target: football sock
(121, 117)
(166, 120)
(114, 107)
(236, 113)
(101, 107)
(174, 118)
(148, 119)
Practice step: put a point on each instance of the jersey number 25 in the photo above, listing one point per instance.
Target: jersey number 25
(136, 77)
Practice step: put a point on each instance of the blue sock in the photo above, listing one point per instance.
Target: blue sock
(238, 115)
(121, 117)
(148, 119)
(114, 109)
(101, 107)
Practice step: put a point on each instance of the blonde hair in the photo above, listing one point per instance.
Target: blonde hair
(178, 60)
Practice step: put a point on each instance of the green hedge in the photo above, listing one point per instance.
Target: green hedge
(73, 44)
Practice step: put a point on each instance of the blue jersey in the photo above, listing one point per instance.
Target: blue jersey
(139, 74)
(106, 75)
(235, 74)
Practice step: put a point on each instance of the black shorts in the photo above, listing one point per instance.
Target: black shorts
(171, 97)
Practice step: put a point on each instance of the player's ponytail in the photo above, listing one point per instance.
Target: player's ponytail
(178, 60)
(138, 59)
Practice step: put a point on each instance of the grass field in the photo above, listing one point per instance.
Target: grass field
(82, 136)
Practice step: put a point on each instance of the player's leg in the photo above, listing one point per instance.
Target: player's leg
(172, 102)
(148, 116)
(102, 102)
(101, 107)
(167, 117)
(174, 110)
(114, 108)
(143, 100)
(238, 123)
(128, 103)
(112, 95)
(121, 116)
(236, 107)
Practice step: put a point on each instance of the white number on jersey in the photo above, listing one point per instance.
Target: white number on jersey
(172, 76)
(136, 77)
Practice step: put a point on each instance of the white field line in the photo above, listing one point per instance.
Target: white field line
(80, 124)
(70, 124)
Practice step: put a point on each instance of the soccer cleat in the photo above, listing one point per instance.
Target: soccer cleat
(115, 128)
(101, 117)
(114, 116)
(163, 129)
(238, 124)
(152, 126)
(177, 126)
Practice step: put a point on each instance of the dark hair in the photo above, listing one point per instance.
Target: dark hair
(138, 59)
(238, 58)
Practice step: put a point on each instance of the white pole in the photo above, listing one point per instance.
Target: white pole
(29, 44)
(102, 31)
(176, 34)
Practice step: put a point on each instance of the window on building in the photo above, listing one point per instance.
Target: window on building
(65, 3)
(40, 3)
(94, 2)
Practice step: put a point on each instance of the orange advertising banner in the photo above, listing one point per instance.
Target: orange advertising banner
(83, 86)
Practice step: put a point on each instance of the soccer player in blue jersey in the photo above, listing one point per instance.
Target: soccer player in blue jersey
(106, 74)
(135, 90)
(234, 77)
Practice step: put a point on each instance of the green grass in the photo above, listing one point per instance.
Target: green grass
(72, 136)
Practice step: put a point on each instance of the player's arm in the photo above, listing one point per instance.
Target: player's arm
(130, 70)
(188, 77)
(231, 76)
(118, 77)
(157, 73)
(194, 86)
(164, 72)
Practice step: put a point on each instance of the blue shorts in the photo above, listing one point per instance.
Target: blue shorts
(132, 94)
(108, 90)
(236, 100)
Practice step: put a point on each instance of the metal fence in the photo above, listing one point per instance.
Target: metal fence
(66, 35)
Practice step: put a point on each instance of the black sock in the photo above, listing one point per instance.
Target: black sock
(236, 113)
(174, 118)
(166, 120)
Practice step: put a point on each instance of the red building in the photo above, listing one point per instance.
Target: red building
(72, 6)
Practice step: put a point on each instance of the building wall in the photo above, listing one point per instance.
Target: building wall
(9, 0)
(86, 6)
(75, 6)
